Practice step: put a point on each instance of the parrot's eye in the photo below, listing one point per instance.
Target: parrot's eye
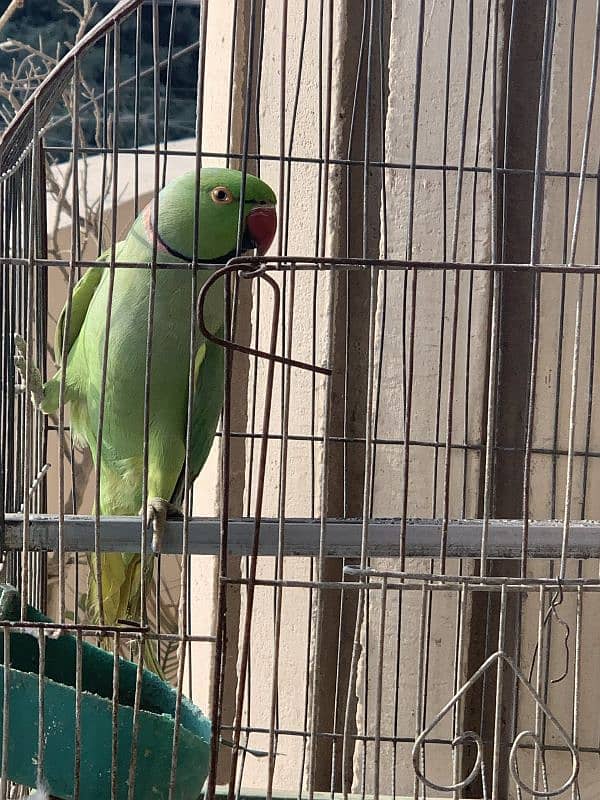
(221, 195)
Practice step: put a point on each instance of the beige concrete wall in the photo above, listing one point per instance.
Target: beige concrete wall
(553, 386)
(432, 324)
(302, 235)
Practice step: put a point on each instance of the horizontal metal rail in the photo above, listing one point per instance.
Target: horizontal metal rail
(343, 537)
(337, 264)
(257, 794)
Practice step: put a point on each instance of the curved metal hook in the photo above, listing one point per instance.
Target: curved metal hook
(538, 755)
(258, 272)
(514, 768)
(463, 738)
(555, 601)
(498, 657)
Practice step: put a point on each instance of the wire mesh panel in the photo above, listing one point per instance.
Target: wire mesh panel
(331, 482)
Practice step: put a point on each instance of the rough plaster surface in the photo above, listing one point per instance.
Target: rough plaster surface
(553, 399)
(432, 337)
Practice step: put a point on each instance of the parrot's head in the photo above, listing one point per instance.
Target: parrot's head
(220, 196)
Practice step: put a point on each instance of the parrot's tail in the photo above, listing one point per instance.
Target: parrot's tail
(121, 596)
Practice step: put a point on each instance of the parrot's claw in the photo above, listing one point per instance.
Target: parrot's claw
(36, 384)
(157, 512)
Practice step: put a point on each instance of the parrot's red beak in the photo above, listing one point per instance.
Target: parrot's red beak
(261, 224)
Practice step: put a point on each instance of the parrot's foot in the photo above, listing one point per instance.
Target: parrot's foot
(157, 512)
(36, 385)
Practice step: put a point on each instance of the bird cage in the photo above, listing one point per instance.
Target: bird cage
(384, 579)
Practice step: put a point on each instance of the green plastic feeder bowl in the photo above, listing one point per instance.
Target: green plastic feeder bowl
(156, 720)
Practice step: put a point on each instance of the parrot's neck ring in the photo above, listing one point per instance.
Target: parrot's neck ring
(161, 245)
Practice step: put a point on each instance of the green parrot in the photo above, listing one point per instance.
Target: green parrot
(121, 465)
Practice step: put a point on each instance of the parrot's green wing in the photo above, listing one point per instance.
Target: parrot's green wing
(82, 296)
(80, 302)
(208, 401)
